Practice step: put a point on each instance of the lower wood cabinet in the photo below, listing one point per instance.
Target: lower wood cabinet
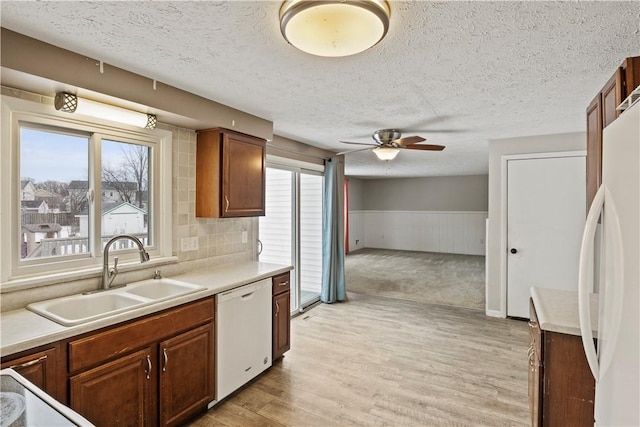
(42, 369)
(116, 393)
(158, 370)
(186, 375)
(281, 315)
(561, 387)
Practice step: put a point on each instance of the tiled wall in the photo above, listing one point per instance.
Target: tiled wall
(216, 237)
(219, 240)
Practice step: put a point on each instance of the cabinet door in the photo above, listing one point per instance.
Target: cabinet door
(40, 368)
(186, 375)
(117, 393)
(612, 97)
(594, 148)
(243, 178)
(281, 324)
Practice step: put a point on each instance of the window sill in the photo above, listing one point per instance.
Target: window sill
(23, 283)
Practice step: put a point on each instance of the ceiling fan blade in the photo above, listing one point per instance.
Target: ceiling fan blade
(427, 147)
(352, 151)
(436, 130)
(408, 140)
(360, 143)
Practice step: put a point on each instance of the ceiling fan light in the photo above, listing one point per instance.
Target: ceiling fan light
(386, 153)
(334, 28)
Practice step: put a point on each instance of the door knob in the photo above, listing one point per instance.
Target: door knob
(513, 251)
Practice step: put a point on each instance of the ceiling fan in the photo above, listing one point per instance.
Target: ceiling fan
(389, 141)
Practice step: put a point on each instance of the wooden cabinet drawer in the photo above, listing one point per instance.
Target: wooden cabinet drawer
(113, 343)
(281, 283)
(41, 368)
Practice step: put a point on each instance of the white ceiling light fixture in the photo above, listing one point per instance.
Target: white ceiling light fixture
(334, 28)
(386, 153)
(70, 103)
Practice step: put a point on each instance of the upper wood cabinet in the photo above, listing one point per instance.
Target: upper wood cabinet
(601, 112)
(230, 174)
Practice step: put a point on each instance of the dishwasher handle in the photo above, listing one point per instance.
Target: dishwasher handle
(247, 296)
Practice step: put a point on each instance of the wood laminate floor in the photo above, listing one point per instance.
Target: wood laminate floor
(379, 361)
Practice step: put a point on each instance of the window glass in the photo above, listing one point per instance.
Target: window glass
(125, 195)
(53, 193)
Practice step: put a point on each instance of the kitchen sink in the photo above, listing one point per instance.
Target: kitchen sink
(77, 309)
(158, 289)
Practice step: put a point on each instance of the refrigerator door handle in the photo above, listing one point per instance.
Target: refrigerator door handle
(586, 249)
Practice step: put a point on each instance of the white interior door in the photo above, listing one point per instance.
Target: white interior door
(545, 218)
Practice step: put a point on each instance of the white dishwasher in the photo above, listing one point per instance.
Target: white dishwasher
(243, 336)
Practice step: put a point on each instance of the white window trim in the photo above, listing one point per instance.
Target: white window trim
(14, 276)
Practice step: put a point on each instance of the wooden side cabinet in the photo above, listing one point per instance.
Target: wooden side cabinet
(281, 315)
(42, 369)
(561, 387)
(230, 174)
(601, 112)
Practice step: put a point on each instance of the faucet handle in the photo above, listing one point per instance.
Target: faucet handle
(114, 270)
(157, 275)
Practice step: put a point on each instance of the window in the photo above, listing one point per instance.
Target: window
(55, 167)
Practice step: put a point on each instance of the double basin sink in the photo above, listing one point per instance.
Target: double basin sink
(78, 309)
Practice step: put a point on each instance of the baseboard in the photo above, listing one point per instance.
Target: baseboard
(494, 313)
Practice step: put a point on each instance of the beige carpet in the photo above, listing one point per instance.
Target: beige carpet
(450, 279)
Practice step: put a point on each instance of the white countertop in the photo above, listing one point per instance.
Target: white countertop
(557, 310)
(23, 329)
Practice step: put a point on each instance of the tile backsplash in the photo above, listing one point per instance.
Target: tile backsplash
(219, 240)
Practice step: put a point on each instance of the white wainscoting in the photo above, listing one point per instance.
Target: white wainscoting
(356, 230)
(448, 232)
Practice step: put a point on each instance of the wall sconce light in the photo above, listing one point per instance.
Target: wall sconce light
(386, 153)
(334, 28)
(70, 103)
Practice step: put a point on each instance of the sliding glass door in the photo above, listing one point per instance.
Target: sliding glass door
(310, 238)
(291, 230)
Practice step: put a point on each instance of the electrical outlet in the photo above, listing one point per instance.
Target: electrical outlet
(189, 244)
(244, 236)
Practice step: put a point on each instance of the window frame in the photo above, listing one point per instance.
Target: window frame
(18, 273)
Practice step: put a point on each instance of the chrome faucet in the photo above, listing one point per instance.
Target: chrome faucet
(109, 274)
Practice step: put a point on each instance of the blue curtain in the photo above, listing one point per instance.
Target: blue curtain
(333, 288)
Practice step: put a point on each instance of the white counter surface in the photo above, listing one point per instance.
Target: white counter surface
(23, 329)
(557, 310)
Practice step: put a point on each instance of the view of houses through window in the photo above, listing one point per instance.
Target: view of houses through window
(56, 189)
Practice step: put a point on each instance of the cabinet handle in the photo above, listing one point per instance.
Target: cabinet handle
(284, 283)
(277, 308)
(533, 324)
(165, 359)
(148, 366)
(29, 363)
(226, 199)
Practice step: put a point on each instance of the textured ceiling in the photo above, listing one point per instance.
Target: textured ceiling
(483, 70)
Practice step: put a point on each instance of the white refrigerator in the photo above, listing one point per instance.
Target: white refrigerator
(615, 363)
